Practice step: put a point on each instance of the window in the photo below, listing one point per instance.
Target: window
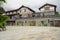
(47, 8)
(10, 17)
(24, 10)
(10, 12)
(20, 10)
(51, 23)
(16, 16)
(20, 15)
(49, 14)
(14, 12)
(33, 15)
(24, 15)
(48, 20)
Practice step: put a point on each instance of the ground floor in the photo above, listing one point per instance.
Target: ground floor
(10, 23)
(32, 22)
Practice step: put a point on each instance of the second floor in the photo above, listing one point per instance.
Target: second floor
(48, 8)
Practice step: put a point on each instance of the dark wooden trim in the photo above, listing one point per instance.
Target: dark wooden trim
(20, 8)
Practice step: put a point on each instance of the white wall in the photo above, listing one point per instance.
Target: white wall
(21, 11)
(43, 9)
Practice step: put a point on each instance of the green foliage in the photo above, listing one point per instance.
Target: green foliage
(2, 19)
(42, 22)
(3, 0)
(45, 24)
(57, 14)
(32, 23)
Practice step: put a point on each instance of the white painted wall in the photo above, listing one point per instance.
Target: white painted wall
(43, 9)
(25, 12)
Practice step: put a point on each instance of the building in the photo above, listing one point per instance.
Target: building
(14, 15)
(25, 16)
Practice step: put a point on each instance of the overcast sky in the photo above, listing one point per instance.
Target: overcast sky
(33, 4)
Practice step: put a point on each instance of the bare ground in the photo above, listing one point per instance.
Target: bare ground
(30, 33)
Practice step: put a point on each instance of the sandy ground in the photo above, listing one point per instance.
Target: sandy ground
(30, 33)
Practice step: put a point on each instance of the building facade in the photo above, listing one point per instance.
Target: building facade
(25, 16)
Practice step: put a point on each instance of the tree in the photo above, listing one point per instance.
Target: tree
(57, 14)
(2, 17)
(3, 0)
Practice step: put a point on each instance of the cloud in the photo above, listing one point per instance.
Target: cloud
(34, 4)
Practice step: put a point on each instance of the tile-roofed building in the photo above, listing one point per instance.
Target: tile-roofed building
(25, 16)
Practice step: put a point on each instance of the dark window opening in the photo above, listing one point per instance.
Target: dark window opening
(24, 10)
(48, 20)
(10, 17)
(20, 15)
(20, 10)
(33, 15)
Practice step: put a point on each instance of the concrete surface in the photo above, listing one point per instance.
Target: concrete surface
(30, 33)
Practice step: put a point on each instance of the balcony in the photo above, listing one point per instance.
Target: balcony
(11, 19)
